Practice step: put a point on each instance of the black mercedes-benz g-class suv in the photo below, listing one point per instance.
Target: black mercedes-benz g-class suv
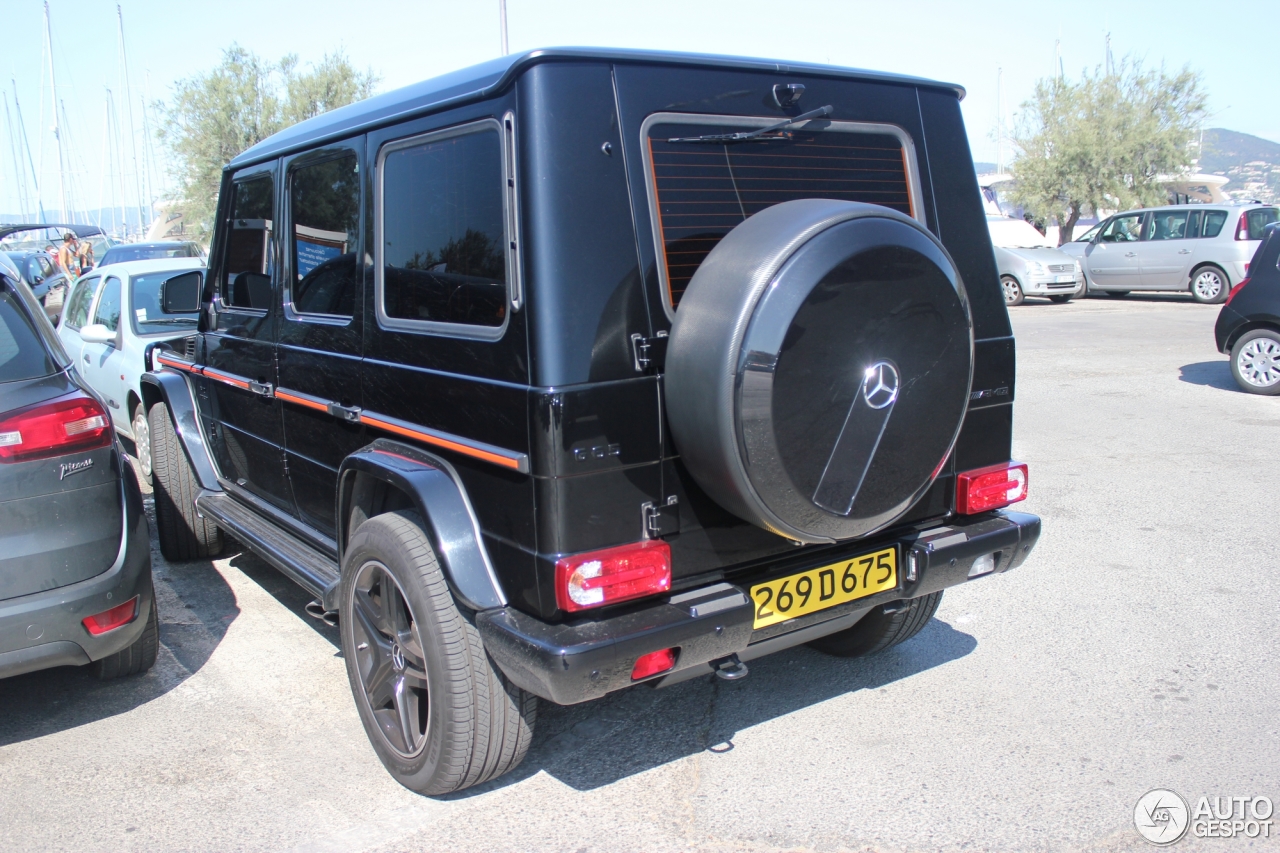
(582, 368)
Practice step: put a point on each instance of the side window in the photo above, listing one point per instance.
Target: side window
(1170, 225)
(1259, 219)
(77, 312)
(108, 311)
(1193, 224)
(442, 249)
(46, 266)
(35, 275)
(246, 267)
(1213, 222)
(324, 200)
(1124, 229)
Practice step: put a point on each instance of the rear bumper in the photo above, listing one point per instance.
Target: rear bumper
(1228, 321)
(44, 629)
(572, 663)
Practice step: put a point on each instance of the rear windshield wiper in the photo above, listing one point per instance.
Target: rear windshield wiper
(726, 138)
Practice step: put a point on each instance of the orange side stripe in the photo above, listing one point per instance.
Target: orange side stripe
(178, 365)
(222, 377)
(301, 401)
(504, 461)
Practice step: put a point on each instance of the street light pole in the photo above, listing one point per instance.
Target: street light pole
(502, 15)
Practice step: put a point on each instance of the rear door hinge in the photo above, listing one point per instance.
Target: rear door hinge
(661, 519)
(649, 352)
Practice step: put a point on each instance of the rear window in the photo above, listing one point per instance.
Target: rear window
(702, 189)
(22, 351)
(121, 254)
(1256, 220)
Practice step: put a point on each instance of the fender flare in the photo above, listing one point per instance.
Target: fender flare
(174, 390)
(439, 497)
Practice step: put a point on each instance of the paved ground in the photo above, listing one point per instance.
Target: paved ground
(1137, 648)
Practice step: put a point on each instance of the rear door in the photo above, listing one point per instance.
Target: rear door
(102, 364)
(1166, 256)
(235, 392)
(1113, 260)
(321, 326)
(76, 315)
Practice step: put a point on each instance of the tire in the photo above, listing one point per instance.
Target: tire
(1255, 362)
(142, 442)
(1116, 293)
(819, 368)
(439, 713)
(1063, 299)
(878, 630)
(138, 657)
(1013, 294)
(1209, 285)
(183, 534)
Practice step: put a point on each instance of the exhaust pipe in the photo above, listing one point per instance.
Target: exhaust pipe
(316, 610)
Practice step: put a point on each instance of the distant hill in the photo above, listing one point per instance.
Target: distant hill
(1226, 152)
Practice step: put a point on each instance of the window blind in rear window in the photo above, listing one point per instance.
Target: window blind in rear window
(700, 190)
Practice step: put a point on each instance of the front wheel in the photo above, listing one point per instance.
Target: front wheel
(880, 630)
(1255, 362)
(439, 713)
(183, 533)
(1012, 290)
(1209, 285)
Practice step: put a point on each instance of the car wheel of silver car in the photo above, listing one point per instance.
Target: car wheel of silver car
(439, 713)
(1209, 285)
(1255, 362)
(1012, 290)
(142, 442)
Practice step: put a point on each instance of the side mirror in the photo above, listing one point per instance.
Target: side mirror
(181, 294)
(96, 333)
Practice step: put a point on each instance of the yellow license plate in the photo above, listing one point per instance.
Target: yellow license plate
(817, 589)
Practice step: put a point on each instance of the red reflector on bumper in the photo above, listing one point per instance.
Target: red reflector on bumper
(990, 488)
(116, 617)
(653, 663)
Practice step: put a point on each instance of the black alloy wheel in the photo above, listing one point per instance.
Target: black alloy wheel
(389, 657)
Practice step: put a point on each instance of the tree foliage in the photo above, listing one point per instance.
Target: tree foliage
(1103, 142)
(213, 117)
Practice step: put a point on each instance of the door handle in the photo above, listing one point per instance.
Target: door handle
(1184, 251)
(1131, 254)
(86, 358)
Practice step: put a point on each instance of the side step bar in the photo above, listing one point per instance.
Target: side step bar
(314, 571)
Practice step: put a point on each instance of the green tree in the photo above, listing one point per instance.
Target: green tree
(213, 117)
(1104, 142)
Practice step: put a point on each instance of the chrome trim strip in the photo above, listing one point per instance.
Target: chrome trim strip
(468, 447)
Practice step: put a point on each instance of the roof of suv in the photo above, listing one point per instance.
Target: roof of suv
(487, 78)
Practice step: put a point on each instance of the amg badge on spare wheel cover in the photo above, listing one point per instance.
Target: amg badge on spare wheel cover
(819, 368)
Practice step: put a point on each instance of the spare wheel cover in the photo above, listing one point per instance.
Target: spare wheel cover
(819, 368)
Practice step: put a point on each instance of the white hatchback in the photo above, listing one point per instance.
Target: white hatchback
(110, 317)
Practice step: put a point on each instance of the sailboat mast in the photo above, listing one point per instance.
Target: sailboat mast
(35, 176)
(53, 97)
(143, 207)
(19, 173)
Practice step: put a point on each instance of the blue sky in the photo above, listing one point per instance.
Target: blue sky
(408, 41)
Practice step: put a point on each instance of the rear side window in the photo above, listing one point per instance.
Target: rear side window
(1258, 219)
(22, 351)
(325, 203)
(77, 311)
(700, 189)
(1170, 225)
(108, 311)
(442, 243)
(246, 271)
(1213, 222)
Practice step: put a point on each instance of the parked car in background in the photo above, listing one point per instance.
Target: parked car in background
(112, 316)
(1201, 248)
(1029, 265)
(39, 272)
(1248, 327)
(150, 251)
(75, 551)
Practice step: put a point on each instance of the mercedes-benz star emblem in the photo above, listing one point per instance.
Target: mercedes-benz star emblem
(880, 385)
(397, 657)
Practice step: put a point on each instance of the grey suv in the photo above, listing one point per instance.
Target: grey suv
(1201, 248)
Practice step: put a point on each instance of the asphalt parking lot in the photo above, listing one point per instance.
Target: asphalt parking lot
(1136, 649)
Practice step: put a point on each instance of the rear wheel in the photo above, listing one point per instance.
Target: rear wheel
(1255, 362)
(140, 656)
(439, 713)
(879, 630)
(183, 533)
(1209, 285)
(142, 441)
(1012, 290)
(1117, 293)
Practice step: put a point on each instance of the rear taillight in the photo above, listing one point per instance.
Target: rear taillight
(608, 576)
(109, 620)
(653, 663)
(66, 425)
(990, 488)
(1234, 291)
(1242, 227)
